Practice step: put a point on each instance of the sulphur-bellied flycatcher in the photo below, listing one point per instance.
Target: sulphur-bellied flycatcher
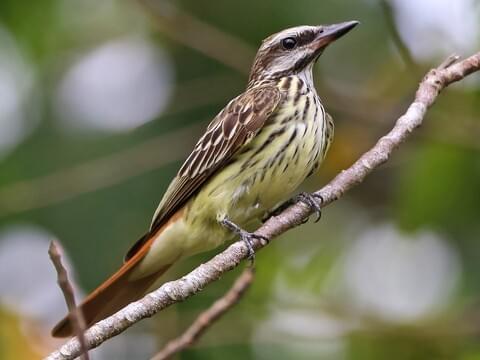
(252, 157)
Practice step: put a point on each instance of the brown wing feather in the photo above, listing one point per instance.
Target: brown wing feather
(232, 128)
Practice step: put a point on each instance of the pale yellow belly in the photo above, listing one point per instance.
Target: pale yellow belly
(246, 194)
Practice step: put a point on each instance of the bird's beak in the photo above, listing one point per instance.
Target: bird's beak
(329, 33)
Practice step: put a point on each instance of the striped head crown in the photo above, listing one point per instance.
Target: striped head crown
(294, 50)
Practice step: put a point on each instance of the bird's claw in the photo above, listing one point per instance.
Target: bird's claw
(247, 237)
(314, 201)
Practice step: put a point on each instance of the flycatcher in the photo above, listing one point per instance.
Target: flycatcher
(252, 157)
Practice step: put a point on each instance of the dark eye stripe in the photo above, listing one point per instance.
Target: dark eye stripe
(303, 38)
(306, 37)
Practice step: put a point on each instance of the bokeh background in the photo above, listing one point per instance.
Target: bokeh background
(101, 100)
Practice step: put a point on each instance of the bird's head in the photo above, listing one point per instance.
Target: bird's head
(294, 50)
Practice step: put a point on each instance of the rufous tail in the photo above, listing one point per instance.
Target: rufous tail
(114, 294)
(119, 290)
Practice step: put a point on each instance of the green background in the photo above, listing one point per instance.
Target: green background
(390, 272)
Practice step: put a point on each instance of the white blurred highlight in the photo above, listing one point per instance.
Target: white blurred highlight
(28, 287)
(400, 278)
(296, 320)
(116, 87)
(437, 28)
(28, 280)
(297, 331)
(16, 85)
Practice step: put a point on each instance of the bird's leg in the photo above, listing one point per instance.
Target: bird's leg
(314, 201)
(245, 236)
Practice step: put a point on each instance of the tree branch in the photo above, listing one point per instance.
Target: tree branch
(207, 318)
(67, 289)
(181, 289)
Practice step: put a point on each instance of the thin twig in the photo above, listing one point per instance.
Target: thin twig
(75, 314)
(192, 283)
(207, 318)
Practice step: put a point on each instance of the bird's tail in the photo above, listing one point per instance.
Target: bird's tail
(107, 299)
(120, 289)
(114, 294)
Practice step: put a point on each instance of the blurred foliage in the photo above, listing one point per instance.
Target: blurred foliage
(15, 344)
(301, 304)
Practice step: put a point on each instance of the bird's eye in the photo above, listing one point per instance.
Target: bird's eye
(289, 43)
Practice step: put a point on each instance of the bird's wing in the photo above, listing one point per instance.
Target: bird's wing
(229, 131)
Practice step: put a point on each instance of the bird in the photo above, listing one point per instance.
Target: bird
(250, 160)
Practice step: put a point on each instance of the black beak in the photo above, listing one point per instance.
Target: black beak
(329, 33)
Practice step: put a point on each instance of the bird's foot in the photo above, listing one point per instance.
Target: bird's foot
(314, 201)
(245, 236)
